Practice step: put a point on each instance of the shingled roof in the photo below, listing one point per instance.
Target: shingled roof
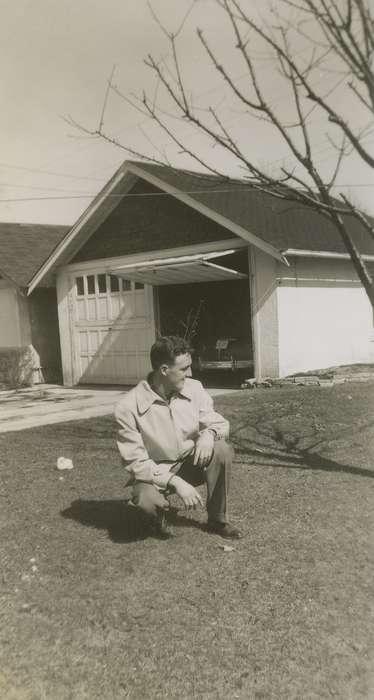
(281, 223)
(273, 225)
(25, 247)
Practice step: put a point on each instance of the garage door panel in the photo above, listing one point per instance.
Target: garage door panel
(84, 362)
(124, 340)
(103, 309)
(83, 341)
(115, 306)
(113, 330)
(94, 340)
(81, 313)
(140, 307)
(91, 309)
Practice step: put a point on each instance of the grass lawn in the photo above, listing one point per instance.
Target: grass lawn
(92, 610)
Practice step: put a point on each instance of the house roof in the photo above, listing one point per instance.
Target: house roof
(280, 223)
(24, 248)
(271, 224)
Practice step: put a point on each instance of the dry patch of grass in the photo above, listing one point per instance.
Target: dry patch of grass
(92, 609)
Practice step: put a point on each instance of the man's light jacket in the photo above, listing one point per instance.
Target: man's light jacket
(153, 434)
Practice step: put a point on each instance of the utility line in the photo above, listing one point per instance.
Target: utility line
(161, 194)
(99, 179)
(50, 172)
(12, 185)
(290, 160)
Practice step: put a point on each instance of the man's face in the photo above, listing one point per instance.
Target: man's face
(176, 374)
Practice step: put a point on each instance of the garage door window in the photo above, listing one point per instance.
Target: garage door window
(104, 297)
(79, 284)
(114, 284)
(91, 284)
(101, 279)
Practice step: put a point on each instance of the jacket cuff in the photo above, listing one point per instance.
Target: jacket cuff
(214, 432)
(162, 480)
(142, 473)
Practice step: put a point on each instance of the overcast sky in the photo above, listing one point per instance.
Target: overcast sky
(56, 56)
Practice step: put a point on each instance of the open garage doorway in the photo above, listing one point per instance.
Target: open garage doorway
(217, 317)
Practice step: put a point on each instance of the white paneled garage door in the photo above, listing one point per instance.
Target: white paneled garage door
(113, 329)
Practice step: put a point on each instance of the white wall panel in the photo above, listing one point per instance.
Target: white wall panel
(9, 320)
(325, 318)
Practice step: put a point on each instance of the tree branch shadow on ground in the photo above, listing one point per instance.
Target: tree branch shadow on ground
(266, 444)
(304, 460)
(123, 522)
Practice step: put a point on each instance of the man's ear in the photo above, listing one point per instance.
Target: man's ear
(164, 369)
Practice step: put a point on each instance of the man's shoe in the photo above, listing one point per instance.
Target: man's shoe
(226, 530)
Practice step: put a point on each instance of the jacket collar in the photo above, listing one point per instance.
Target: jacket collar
(145, 396)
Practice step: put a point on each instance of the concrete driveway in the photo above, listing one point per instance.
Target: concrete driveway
(49, 403)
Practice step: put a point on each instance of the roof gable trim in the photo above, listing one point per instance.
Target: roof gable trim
(83, 220)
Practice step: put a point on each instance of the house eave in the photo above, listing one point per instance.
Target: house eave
(298, 252)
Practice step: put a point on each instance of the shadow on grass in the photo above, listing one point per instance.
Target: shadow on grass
(304, 460)
(123, 522)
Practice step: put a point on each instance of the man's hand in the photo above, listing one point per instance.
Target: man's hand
(190, 497)
(204, 449)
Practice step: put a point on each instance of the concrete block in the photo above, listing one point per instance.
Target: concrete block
(326, 382)
(309, 379)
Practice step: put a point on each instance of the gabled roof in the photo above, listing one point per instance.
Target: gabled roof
(282, 224)
(25, 247)
(271, 224)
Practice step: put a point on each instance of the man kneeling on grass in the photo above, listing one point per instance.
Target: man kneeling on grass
(171, 439)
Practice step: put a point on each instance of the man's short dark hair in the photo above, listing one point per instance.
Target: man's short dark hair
(167, 348)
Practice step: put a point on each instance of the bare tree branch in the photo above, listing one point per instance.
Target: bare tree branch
(337, 38)
(101, 121)
(359, 215)
(311, 94)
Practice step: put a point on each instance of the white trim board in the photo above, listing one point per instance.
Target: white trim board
(322, 254)
(106, 264)
(184, 269)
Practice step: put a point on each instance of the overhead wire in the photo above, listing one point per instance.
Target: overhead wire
(49, 172)
(290, 160)
(161, 194)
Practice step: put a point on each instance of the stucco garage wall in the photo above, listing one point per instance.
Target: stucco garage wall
(30, 325)
(9, 322)
(324, 316)
(14, 317)
(45, 337)
(16, 359)
(264, 309)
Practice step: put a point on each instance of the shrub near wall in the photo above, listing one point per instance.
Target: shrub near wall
(16, 367)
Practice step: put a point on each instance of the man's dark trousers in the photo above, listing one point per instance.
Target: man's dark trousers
(216, 476)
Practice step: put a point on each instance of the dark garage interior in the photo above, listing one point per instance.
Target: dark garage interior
(217, 318)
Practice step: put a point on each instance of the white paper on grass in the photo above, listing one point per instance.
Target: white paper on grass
(64, 463)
